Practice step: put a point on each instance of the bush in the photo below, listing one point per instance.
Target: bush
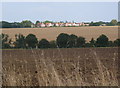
(72, 41)
(117, 42)
(53, 44)
(62, 40)
(102, 41)
(31, 41)
(80, 42)
(43, 43)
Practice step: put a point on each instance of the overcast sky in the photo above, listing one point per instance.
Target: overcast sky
(59, 11)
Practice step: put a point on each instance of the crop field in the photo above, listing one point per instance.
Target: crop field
(52, 32)
(61, 67)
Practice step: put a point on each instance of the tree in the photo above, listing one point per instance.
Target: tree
(53, 44)
(47, 21)
(118, 23)
(5, 24)
(88, 45)
(96, 23)
(5, 41)
(16, 25)
(111, 44)
(62, 40)
(72, 41)
(92, 42)
(37, 23)
(113, 22)
(80, 42)
(102, 41)
(31, 41)
(117, 42)
(20, 41)
(43, 43)
(26, 23)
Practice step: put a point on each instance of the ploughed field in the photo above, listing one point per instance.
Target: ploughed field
(52, 32)
(61, 67)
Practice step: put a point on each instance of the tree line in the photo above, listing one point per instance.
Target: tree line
(23, 24)
(28, 23)
(63, 40)
(111, 23)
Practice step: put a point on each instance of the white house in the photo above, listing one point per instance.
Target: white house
(32, 25)
(49, 24)
(76, 24)
(57, 24)
(42, 25)
(103, 25)
(61, 24)
(68, 24)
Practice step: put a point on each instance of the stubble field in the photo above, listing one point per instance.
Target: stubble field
(61, 67)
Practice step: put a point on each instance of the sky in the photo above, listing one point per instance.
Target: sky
(59, 11)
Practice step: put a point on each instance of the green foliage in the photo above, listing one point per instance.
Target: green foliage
(53, 44)
(5, 41)
(26, 23)
(16, 25)
(97, 23)
(117, 42)
(72, 41)
(118, 23)
(20, 41)
(31, 41)
(88, 45)
(37, 22)
(47, 21)
(113, 22)
(92, 42)
(111, 44)
(102, 41)
(5, 24)
(80, 42)
(43, 43)
(62, 40)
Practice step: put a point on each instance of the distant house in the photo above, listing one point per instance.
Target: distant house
(82, 24)
(38, 25)
(59, 24)
(103, 25)
(86, 24)
(49, 24)
(32, 25)
(42, 25)
(68, 24)
(76, 24)
(56, 24)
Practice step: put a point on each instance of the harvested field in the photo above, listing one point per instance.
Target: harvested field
(53, 32)
(61, 67)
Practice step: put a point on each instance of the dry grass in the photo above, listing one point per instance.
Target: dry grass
(73, 67)
(52, 33)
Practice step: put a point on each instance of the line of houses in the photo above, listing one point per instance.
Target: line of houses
(58, 24)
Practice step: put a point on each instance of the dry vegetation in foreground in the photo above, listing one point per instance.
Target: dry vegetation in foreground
(61, 67)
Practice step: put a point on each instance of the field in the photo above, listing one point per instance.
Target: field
(61, 67)
(53, 32)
